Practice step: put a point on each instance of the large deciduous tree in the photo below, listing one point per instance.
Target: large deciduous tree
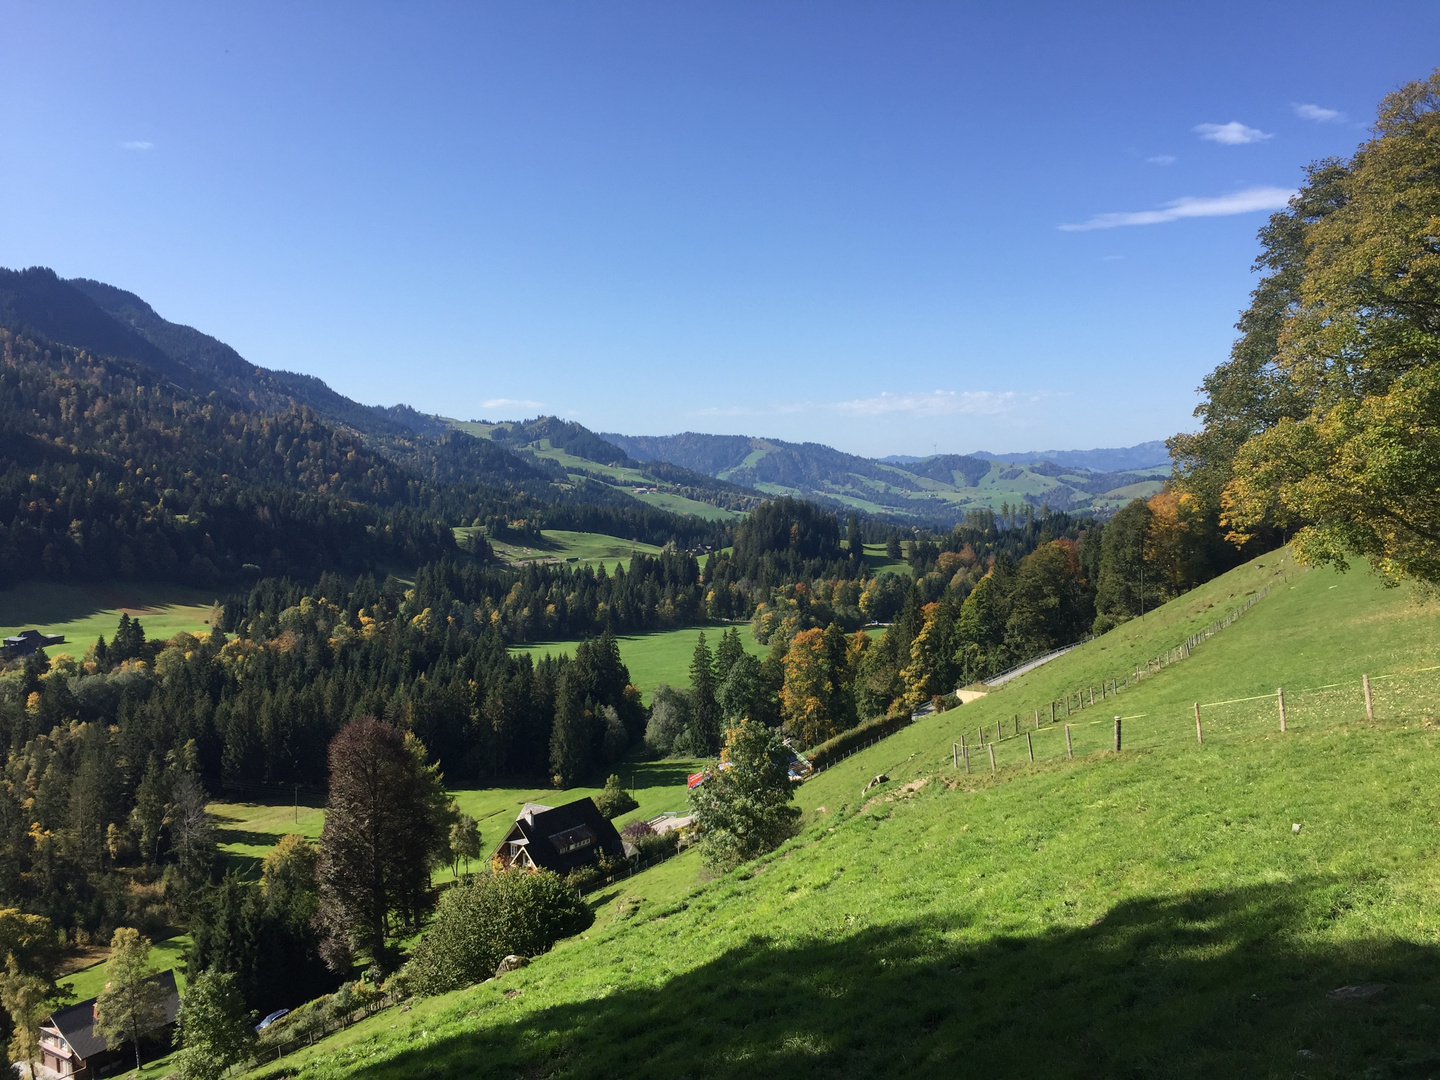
(1349, 456)
(387, 827)
(132, 1006)
(745, 808)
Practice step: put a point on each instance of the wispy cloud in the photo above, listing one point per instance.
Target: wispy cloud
(917, 404)
(935, 403)
(1241, 202)
(1317, 113)
(1161, 159)
(511, 403)
(138, 144)
(1232, 134)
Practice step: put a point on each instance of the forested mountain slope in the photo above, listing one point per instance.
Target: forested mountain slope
(1173, 909)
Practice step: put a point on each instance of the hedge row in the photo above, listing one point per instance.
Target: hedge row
(832, 750)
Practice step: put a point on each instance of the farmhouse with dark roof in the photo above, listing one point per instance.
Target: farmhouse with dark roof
(27, 642)
(70, 1046)
(561, 838)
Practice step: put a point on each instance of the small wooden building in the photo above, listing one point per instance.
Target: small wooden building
(70, 1047)
(28, 642)
(560, 838)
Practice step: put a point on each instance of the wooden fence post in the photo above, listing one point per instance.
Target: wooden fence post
(1069, 749)
(955, 753)
(992, 759)
(1117, 734)
(1369, 707)
(1052, 712)
(1029, 745)
(1092, 695)
(1280, 698)
(997, 730)
(1199, 737)
(966, 755)
(1037, 719)
(1017, 723)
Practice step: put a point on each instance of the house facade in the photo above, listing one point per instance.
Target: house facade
(560, 838)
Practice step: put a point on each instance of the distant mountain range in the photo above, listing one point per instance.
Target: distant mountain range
(715, 476)
(937, 488)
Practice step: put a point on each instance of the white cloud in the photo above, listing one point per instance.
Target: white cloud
(1231, 134)
(1318, 114)
(935, 403)
(138, 144)
(1241, 202)
(1161, 159)
(511, 403)
(918, 404)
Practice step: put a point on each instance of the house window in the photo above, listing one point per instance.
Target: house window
(573, 839)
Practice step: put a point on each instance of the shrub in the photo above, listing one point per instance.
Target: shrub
(615, 800)
(476, 926)
(832, 750)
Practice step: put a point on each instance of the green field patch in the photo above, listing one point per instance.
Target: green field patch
(83, 612)
(164, 955)
(678, 504)
(880, 563)
(563, 545)
(246, 831)
(655, 658)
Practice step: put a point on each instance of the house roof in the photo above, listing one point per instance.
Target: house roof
(76, 1023)
(563, 837)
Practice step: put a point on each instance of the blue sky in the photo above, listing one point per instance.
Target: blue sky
(893, 228)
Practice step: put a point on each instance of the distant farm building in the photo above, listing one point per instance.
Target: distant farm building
(561, 838)
(70, 1047)
(28, 642)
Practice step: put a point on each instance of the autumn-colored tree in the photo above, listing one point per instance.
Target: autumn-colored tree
(24, 997)
(132, 1006)
(387, 825)
(932, 666)
(1354, 466)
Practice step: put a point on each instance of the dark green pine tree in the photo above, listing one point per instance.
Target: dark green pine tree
(705, 736)
(569, 737)
(854, 541)
(727, 653)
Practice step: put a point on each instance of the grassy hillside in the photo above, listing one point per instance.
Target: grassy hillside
(84, 612)
(661, 657)
(1142, 914)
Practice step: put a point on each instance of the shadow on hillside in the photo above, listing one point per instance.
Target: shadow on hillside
(1221, 984)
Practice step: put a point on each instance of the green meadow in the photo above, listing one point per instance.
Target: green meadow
(246, 831)
(880, 563)
(655, 658)
(164, 955)
(83, 612)
(1155, 912)
(562, 545)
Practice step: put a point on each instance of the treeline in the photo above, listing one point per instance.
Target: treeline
(994, 591)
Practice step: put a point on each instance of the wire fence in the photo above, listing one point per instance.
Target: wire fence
(629, 871)
(313, 1033)
(1086, 697)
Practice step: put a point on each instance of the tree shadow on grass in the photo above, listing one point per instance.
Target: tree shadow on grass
(1223, 984)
